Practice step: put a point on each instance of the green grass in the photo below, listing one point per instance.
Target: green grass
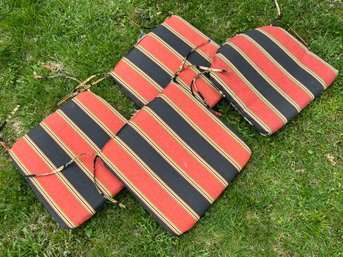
(286, 202)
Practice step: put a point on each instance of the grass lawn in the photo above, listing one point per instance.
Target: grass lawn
(287, 201)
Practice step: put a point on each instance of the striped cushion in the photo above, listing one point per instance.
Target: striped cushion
(176, 158)
(150, 65)
(85, 124)
(272, 76)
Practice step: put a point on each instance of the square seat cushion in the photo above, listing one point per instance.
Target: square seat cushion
(151, 64)
(176, 157)
(83, 125)
(271, 77)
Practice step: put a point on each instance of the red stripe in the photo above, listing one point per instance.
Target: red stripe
(178, 154)
(60, 194)
(202, 120)
(323, 71)
(172, 62)
(148, 186)
(192, 35)
(78, 145)
(247, 96)
(272, 71)
(138, 83)
(101, 111)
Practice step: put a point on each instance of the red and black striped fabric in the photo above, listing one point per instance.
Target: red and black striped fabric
(176, 157)
(151, 64)
(271, 77)
(83, 125)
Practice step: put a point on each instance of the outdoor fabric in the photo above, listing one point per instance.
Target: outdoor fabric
(151, 64)
(271, 76)
(176, 157)
(83, 125)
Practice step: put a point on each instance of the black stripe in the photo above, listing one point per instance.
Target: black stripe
(42, 199)
(163, 169)
(149, 67)
(179, 45)
(193, 139)
(235, 104)
(288, 63)
(258, 82)
(73, 173)
(128, 93)
(159, 221)
(86, 124)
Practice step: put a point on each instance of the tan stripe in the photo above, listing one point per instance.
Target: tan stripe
(257, 93)
(201, 133)
(185, 40)
(167, 70)
(266, 78)
(319, 79)
(242, 104)
(171, 132)
(309, 52)
(129, 88)
(60, 175)
(115, 112)
(90, 143)
(153, 175)
(94, 118)
(196, 71)
(73, 156)
(141, 196)
(280, 67)
(217, 121)
(143, 74)
(169, 160)
(42, 191)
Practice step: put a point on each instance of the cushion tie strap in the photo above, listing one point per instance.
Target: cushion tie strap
(3, 125)
(205, 70)
(73, 160)
(185, 59)
(278, 20)
(82, 85)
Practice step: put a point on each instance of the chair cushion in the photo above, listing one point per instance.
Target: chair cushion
(83, 125)
(271, 77)
(176, 157)
(150, 65)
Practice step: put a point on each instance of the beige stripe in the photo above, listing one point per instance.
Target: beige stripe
(217, 121)
(115, 112)
(242, 105)
(185, 40)
(196, 71)
(73, 156)
(153, 175)
(42, 191)
(143, 74)
(60, 176)
(201, 133)
(280, 67)
(141, 196)
(128, 88)
(94, 118)
(103, 188)
(257, 93)
(186, 146)
(319, 79)
(268, 80)
(169, 160)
